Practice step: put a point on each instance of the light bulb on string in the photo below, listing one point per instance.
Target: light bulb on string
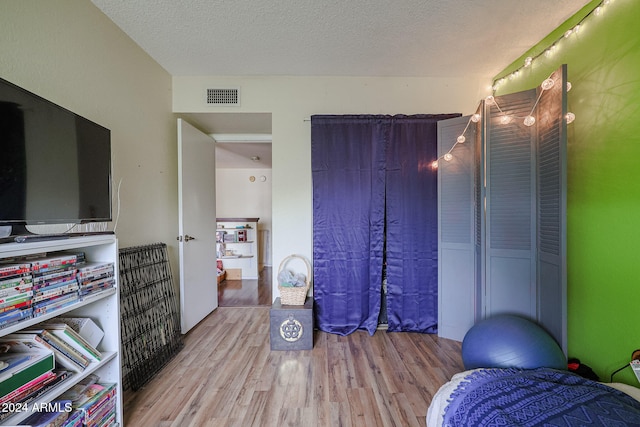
(568, 33)
(570, 117)
(461, 139)
(475, 118)
(527, 61)
(568, 86)
(434, 164)
(529, 120)
(448, 157)
(490, 100)
(505, 120)
(547, 84)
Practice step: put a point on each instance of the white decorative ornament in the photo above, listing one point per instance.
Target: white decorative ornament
(570, 117)
(448, 157)
(547, 84)
(475, 118)
(461, 139)
(529, 120)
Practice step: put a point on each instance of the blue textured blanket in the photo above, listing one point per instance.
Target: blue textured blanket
(537, 397)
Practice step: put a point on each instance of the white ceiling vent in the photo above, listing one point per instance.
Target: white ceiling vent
(226, 96)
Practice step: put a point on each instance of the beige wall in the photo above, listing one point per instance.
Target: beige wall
(292, 100)
(239, 197)
(68, 52)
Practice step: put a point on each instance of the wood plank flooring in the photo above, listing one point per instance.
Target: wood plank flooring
(246, 293)
(226, 375)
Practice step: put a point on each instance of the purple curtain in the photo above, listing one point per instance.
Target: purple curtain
(368, 170)
(412, 224)
(347, 157)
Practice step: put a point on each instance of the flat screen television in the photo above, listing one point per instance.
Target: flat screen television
(55, 166)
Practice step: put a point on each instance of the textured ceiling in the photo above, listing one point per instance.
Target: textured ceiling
(422, 38)
(337, 37)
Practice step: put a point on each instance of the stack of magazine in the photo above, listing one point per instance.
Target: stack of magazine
(16, 293)
(95, 277)
(37, 285)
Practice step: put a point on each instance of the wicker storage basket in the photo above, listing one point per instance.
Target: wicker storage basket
(294, 295)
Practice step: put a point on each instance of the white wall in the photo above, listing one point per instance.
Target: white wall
(68, 52)
(292, 100)
(239, 197)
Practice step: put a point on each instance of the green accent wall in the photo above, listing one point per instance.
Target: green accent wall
(603, 199)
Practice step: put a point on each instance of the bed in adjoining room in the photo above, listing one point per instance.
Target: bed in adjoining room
(517, 375)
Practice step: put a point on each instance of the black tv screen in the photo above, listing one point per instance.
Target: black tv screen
(55, 166)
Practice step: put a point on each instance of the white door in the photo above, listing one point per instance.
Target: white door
(197, 224)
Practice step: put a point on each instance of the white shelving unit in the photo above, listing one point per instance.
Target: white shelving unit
(103, 308)
(235, 254)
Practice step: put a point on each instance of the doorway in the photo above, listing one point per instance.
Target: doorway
(243, 189)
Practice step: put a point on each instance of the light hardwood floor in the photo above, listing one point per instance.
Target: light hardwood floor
(226, 375)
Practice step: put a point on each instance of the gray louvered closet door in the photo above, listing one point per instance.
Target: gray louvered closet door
(518, 173)
(458, 244)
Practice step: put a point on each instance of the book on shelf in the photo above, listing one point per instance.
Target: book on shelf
(49, 292)
(34, 343)
(54, 303)
(26, 391)
(53, 278)
(27, 303)
(29, 394)
(56, 416)
(15, 376)
(95, 403)
(8, 306)
(70, 336)
(19, 297)
(96, 286)
(52, 263)
(11, 317)
(93, 269)
(10, 270)
(15, 285)
(76, 419)
(62, 346)
(86, 327)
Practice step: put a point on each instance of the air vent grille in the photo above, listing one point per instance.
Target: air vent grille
(229, 96)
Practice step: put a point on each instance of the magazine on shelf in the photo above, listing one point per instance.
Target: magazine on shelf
(10, 317)
(86, 327)
(66, 333)
(14, 270)
(53, 263)
(55, 277)
(54, 303)
(54, 291)
(62, 346)
(27, 303)
(17, 375)
(16, 282)
(34, 343)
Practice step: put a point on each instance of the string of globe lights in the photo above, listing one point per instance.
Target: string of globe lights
(547, 84)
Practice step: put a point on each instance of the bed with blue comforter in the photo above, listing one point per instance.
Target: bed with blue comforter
(532, 397)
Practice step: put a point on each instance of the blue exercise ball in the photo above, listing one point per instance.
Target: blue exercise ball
(508, 341)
